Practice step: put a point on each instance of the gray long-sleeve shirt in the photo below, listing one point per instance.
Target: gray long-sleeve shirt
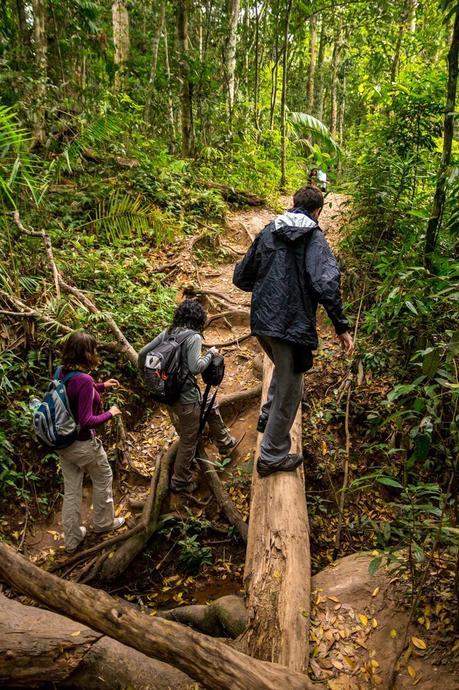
(193, 362)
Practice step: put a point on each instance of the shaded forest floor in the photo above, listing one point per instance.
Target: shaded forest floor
(195, 558)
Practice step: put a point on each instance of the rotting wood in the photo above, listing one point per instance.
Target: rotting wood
(207, 660)
(277, 569)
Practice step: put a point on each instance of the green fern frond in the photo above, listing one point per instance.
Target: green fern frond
(15, 164)
(102, 130)
(122, 216)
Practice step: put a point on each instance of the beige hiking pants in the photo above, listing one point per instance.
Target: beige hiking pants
(185, 418)
(80, 457)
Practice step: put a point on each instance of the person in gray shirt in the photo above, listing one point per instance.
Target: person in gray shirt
(185, 413)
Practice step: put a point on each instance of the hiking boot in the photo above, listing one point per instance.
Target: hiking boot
(116, 524)
(227, 451)
(183, 488)
(83, 531)
(262, 422)
(288, 464)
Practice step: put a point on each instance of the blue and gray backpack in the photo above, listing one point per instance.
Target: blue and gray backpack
(53, 421)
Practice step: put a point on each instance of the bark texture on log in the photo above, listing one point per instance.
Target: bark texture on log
(278, 566)
(38, 646)
(207, 660)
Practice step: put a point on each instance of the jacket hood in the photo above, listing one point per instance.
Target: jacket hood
(292, 225)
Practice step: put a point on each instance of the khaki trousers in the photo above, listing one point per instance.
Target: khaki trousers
(85, 456)
(185, 418)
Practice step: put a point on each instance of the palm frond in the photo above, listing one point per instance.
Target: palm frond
(307, 123)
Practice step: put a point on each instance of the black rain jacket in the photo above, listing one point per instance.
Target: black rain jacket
(290, 269)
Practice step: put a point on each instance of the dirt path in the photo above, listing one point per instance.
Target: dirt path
(347, 637)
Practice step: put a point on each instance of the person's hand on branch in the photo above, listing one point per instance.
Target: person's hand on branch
(347, 342)
(111, 383)
(115, 410)
(213, 350)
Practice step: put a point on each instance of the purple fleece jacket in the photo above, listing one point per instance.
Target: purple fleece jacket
(86, 404)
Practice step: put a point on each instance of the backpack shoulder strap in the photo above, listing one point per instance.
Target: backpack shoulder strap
(183, 335)
(69, 376)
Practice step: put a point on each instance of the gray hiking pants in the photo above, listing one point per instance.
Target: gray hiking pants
(284, 396)
(185, 418)
(80, 457)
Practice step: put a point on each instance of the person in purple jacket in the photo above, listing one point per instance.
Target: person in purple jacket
(87, 453)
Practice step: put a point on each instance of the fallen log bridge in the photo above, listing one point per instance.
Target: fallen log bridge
(207, 660)
(277, 573)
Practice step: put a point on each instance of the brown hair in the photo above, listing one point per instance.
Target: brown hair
(80, 351)
(308, 198)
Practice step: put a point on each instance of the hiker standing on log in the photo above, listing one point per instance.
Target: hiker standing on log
(290, 269)
(186, 332)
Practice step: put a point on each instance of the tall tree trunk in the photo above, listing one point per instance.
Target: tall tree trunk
(274, 73)
(154, 61)
(257, 66)
(170, 100)
(312, 64)
(335, 84)
(246, 37)
(233, 15)
(186, 93)
(433, 226)
(412, 7)
(120, 21)
(41, 61)
(320, 71)
(278, 565)
(283, 180)
(341, 108)
(23, 30)
(206, 659)
(398, 49)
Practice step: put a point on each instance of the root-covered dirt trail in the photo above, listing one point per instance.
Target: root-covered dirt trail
(353, 615)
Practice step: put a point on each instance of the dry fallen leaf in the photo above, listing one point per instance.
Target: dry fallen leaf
(393, 633)
(375, 592)
(420, 644)
(411, 672)
(363, 619)
(76, 633)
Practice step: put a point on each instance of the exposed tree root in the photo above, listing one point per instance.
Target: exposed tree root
(231, 313)
(221, 495)
(233, 341)
(125, 554)
(224, 616)
(239, 396)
